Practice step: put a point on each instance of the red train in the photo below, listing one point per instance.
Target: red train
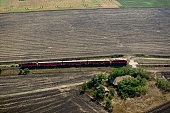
(75, 63)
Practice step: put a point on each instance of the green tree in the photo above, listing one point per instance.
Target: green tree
(99, 94)
(163, 85)
(23, 71)
(109, 105)
(20, 72)
(90, 84)
(131, 87)
(26, 71)
(112, 92)
(84, 86)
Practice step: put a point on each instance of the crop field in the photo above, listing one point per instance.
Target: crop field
(144, 3)
(84, 33)
(41, 5)
(37, 5)
(45, 93)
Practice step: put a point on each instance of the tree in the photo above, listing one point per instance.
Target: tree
(112, 92)
(131, 87)
(84, 86)
(23, 72)
(109, 105)
(26, 71)
(163, 85)
(99, 94)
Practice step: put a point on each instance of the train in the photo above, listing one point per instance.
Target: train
(76, 63)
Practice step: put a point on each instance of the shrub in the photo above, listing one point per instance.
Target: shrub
(112, 92)
(110, 97)
(131, 87)
(84, 87)
(109, 105)
(23, 71)
(163, 85)
(99, 94)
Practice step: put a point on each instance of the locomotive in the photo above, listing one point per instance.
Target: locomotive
(76, 63)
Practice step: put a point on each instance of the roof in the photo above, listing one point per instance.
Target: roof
(118, 79)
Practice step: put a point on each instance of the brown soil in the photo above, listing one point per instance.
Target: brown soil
(81, 33)
(45, 93)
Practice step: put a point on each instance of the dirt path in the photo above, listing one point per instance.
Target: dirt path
(42, 90)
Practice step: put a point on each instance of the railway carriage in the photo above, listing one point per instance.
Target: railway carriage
(50, 64)
(29, 65)
(98, 62)
(76, 63)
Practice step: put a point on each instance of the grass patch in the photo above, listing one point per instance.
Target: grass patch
(144, 3)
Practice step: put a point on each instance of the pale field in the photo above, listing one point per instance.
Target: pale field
(84, 33)
(39, 5)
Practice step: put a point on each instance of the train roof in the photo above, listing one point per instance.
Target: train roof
(100, 60)
(51, 62)
(29, 62)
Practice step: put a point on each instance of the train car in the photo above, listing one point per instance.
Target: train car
(29, 65)
(118, 62)
(98, 62)
(50, 64)
(75, 63)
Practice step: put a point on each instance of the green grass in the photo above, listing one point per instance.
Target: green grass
(144, 3)
(4, 2)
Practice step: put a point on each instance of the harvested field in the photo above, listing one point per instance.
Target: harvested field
(16, 84)
(45, 93)
(81, 33)
(40, 5)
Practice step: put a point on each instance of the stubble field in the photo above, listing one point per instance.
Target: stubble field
(81, 33)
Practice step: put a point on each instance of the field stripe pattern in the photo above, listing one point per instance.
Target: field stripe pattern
(81, 33)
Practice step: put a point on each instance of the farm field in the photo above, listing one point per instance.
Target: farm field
(144, 3)
(57, 91)
(40, 5)
(45, 93)
(84, 33)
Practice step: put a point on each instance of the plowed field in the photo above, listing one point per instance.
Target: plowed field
(80, 33)
(45, 93)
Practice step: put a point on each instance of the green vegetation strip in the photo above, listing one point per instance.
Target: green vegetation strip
(144, 3)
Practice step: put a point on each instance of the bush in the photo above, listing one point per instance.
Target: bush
(109, 105)
(23, 71)
(84, 87)
(110, 97)
(99, 94)
(112, 92)
(127, 71)
(163, 85)
(131, 87)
